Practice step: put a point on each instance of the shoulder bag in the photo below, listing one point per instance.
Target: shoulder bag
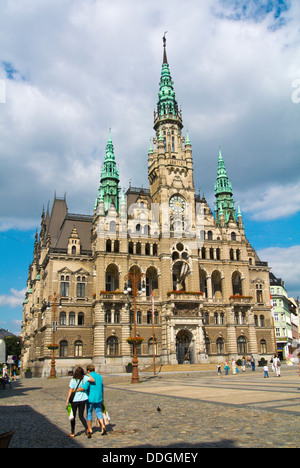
(71, 397)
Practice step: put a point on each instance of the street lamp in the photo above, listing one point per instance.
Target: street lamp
(53, 346)
(132, 283)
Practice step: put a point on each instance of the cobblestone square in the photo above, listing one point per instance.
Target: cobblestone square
(198, 410)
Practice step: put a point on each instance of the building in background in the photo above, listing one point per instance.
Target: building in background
(211, 291)
(286, 318)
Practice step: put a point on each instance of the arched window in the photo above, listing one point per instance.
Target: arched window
(203, 282)
(112, 278)
(220, 346)
(209, 235)
(62, 318)
(149, 317)
(112, 346)
(150, 346)
(216, 285)
(64, 285)
(72, 318)
(207, 345)
(233, 236)
(73, 249)
(237, 283)
(259, 293)
(81, 318)
(81, 286)
(117, 316)
(63, 348)
(139, 317)
(107, 316)
(262, 320)
(78, 348)
(147, 249)
(242, 345)
(151, 280)
(263, 347)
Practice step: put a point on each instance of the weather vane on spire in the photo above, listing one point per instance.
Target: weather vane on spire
(164, 38)
(165, 54)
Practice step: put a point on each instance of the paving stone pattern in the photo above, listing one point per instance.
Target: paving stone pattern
(197, 410)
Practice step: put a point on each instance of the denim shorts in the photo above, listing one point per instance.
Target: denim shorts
(98, 410)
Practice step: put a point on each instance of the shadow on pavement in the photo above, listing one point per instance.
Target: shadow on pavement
(16, 389)
(32, 430)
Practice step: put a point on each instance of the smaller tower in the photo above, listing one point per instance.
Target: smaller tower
(224, 204)
(108, 192)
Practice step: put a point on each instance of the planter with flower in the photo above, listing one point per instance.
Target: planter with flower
(53, 347)
(135, 340)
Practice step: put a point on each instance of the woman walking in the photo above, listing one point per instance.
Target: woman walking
(78, 400)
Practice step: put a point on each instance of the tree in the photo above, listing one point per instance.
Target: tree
(13, 346)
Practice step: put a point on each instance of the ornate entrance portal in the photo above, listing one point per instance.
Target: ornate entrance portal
(184, 351)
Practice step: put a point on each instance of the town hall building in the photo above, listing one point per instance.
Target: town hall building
(211, 292)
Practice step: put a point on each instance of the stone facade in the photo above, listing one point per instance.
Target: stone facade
(207, 281)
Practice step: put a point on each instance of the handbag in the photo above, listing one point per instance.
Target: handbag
(71, 397)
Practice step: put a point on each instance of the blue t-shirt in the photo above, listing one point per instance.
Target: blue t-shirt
(94, 389)
(79, 396)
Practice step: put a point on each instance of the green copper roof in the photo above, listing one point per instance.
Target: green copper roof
(224, 204)
(223, 184)
(167, 103)
(109, 180)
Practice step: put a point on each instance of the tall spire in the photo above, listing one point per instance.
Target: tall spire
(109, 180)
(223, 192)
(167, 107)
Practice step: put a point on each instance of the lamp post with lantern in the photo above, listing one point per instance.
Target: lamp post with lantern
(53, 346)
(134, 284)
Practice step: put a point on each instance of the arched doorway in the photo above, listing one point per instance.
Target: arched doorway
(184, 347)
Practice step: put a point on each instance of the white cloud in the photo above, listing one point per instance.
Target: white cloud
(15, 299)
(275, 202)
(78, 68)
(285, 264)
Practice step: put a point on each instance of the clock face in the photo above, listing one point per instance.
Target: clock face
(177, 203)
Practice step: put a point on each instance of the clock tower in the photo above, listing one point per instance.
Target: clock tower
(170, 164)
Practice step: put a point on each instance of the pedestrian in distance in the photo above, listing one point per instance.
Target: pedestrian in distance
(219, 369)
(95, 391)
(266, 372)
(252, 361)
(272, 362)
(243, 364)
(78, 400)
(233, 366)
(226, 368)
(277, 365)
(299, 363)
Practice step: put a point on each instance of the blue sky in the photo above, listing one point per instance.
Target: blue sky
(70, 70)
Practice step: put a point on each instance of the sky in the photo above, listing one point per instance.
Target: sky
(72, 69)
